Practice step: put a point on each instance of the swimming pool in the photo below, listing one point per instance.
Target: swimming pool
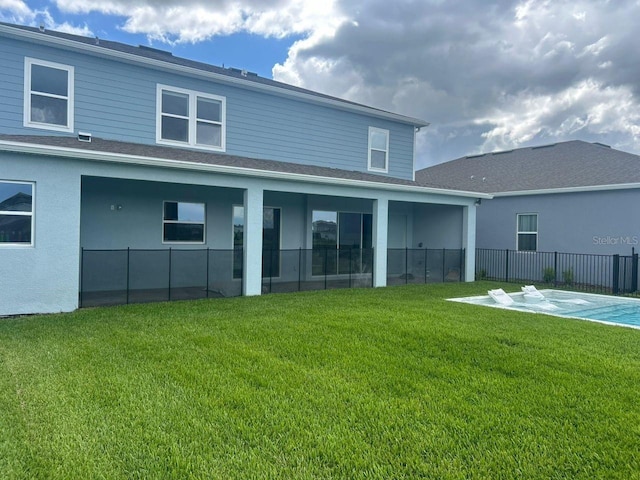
(586, 306)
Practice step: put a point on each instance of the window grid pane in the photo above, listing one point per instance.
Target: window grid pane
(528, 223)
(527, 242)
(208, 134)
(175, 129)
(209, 110)
(53, 81)
(378, 159)
(175, 104)
(15, 229)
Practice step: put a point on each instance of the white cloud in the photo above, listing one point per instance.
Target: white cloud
(15, 11)
(173, 21)
(588, 107)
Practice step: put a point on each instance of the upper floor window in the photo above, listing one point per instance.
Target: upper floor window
(183, 222)
(16, 213)
(48, 95)
(378, 149)
(528, 232)
(190, 118)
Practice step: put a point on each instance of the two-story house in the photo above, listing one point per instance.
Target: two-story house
(122, 166)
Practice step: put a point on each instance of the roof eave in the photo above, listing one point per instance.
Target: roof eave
(101, 156)
(586, 188)
(238, 82)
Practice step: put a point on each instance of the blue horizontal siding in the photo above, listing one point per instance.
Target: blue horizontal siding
(117, 100)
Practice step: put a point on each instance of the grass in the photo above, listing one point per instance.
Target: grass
(354, 384)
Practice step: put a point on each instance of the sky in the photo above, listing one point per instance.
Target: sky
(487, 75)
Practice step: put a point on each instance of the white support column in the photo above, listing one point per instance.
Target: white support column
(469, 242)
(252, 268)
(380, 231)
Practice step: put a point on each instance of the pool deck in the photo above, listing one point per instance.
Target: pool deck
(521, 305)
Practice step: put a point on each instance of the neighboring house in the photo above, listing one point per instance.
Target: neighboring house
(109, 147)
(574, 196)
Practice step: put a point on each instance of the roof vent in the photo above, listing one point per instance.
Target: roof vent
(602, 144)
(242, 72)
(475, 156)
(501, 153)
(41, 28)
(155, 50)
(544, 146)
(97, 41)
(84, 137)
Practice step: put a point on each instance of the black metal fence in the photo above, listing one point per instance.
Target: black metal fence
(317, 269)
(115, 277)
(425, 265)
(613, 274)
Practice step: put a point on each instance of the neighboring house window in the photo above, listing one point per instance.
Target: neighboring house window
(16, 213)
(378, 149)
(528, 232)
(339, 239)
(48, 95)
(190, 118)
(183, 222)
(270, 241)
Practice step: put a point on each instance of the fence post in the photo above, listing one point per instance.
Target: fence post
(506, 266)
(406, 265)
(81, 273)
(128, 268)
(299, 268)
(207, 288)
(169, 273)
(326, 250)
(555, 269)
(634, 272)
(615, 287)
(425, 265)
(270, 269)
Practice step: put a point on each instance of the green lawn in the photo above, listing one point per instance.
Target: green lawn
(356, 384)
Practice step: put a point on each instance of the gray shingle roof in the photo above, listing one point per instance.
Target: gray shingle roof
(184, 155)
(561, 165)
(235, 73)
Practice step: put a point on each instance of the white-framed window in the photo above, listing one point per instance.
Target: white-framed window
(48, 95)
(378, 149)
(186, 117)
(183, 222)
(527, 235)
(16, 213)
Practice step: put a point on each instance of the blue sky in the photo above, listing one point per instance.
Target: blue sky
(490, 75)
(252, 52)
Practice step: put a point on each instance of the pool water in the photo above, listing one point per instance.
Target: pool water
(587, 306)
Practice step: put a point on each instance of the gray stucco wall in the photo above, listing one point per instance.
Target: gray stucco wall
(138, 223)
(604, 222)
(437, 226)
(43, 278)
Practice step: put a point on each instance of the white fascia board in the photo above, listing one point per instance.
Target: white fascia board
(159, 64)
(549, 191)
(99, 156)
